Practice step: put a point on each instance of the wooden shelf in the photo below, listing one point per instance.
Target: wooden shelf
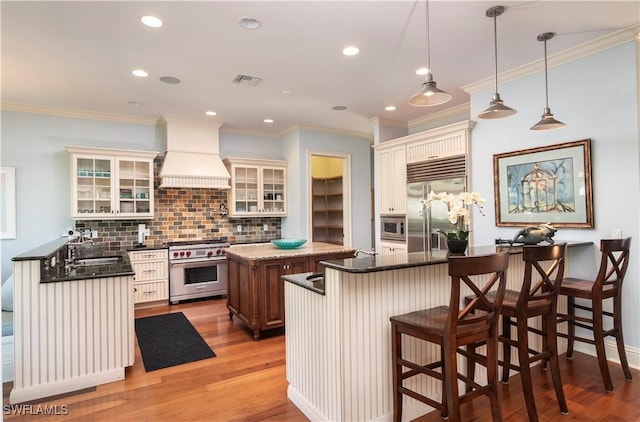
(327, 210)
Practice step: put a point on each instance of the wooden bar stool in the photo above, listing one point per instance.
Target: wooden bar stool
(534, 299)
(607, 285)
(450, 327)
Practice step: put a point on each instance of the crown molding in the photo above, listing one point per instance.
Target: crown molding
(248, 132)
(443, 114)
(78, 114)
(380, 121)
(611, 40)
(351, 133)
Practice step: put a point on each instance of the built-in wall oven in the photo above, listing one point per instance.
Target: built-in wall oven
(392, 228)
(197, 269)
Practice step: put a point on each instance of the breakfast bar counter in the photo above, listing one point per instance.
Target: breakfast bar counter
(338, 344)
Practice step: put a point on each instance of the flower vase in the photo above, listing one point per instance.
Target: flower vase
(456, 246)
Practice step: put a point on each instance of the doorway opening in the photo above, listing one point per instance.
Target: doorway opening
(330, 198)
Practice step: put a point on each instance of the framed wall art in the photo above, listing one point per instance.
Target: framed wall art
(7, 203)
(550, 184)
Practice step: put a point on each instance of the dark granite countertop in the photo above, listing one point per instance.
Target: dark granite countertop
(41, 252)
(316, 285)
(56, 250)
(368, 264)
(84, 272)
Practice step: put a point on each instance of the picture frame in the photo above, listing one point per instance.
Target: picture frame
(549, 184)
(7, 203)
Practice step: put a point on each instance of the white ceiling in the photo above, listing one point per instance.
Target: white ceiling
(78, 55)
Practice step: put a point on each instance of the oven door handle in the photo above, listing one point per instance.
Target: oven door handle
(196, 260)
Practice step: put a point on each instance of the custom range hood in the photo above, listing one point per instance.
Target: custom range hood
(192, 159)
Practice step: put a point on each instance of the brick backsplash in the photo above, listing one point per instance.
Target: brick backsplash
(183, 214)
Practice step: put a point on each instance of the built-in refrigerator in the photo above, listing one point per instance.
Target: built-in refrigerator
(424, 223)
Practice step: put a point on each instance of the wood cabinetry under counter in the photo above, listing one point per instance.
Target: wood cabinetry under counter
(256, 288)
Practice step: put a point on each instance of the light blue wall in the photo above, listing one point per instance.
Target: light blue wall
(596, 96)
(34, 145)
(360, 150)
(236, 145)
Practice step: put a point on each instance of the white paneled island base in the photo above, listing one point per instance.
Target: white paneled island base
(338, 344)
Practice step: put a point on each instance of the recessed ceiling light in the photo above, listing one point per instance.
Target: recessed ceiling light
(135, 103)
(390, 108)
(287, 92)
(169, 80)
(422, 71)
(210, 113)
(248, 22)
(152, 21)
(140, 73)
(339, 108)
(350, 51)
(268, 120)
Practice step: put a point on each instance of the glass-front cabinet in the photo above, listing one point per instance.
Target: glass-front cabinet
(258, 187)
(111, 184)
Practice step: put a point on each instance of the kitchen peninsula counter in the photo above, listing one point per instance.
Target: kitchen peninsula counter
(338, 345)
(73, 328)
(369, 264)
(256, 288)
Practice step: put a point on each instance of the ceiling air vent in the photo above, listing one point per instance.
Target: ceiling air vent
(247, 80)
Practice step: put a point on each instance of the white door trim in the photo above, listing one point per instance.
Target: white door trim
(346, 192)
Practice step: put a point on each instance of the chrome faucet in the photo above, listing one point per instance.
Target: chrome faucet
(372, 253)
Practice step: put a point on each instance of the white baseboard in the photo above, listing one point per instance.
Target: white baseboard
(21, 395)
(7, 358)
(633, 354)
(309, 410)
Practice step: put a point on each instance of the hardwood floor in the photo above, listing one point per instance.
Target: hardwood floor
(246, 382)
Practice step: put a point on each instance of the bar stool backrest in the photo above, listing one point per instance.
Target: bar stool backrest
(545, 290)
(613, 264)
(492, 272)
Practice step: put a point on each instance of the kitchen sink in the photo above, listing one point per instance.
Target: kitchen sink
(101, 260)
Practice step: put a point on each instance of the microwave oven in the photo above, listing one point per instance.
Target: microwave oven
(392, 228)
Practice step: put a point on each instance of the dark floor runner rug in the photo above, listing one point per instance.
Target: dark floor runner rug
(169, 340)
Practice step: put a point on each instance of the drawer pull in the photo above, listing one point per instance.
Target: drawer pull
(150, 292)
(149, 271)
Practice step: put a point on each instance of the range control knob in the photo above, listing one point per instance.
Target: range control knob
(175, 254)
(209, 253)
(181, 253)
(218, 251)
(188, 253)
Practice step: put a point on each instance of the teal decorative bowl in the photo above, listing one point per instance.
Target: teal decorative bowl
(288, 243)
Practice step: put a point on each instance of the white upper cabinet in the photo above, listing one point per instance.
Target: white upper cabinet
(446, 141)
(111, 184)
(393, 180)
(258, 187)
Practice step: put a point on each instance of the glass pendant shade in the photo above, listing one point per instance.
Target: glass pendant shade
(548, 121)
(430, 94)
(496, 109)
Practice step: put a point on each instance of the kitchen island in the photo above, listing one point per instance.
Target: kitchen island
(338, 344)
(256, 289)
(73, 324)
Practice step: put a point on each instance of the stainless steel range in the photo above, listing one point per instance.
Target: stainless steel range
(197, 269)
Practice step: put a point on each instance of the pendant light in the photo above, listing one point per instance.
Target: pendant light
(430, 94)
(547, 122)
(496, 109)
